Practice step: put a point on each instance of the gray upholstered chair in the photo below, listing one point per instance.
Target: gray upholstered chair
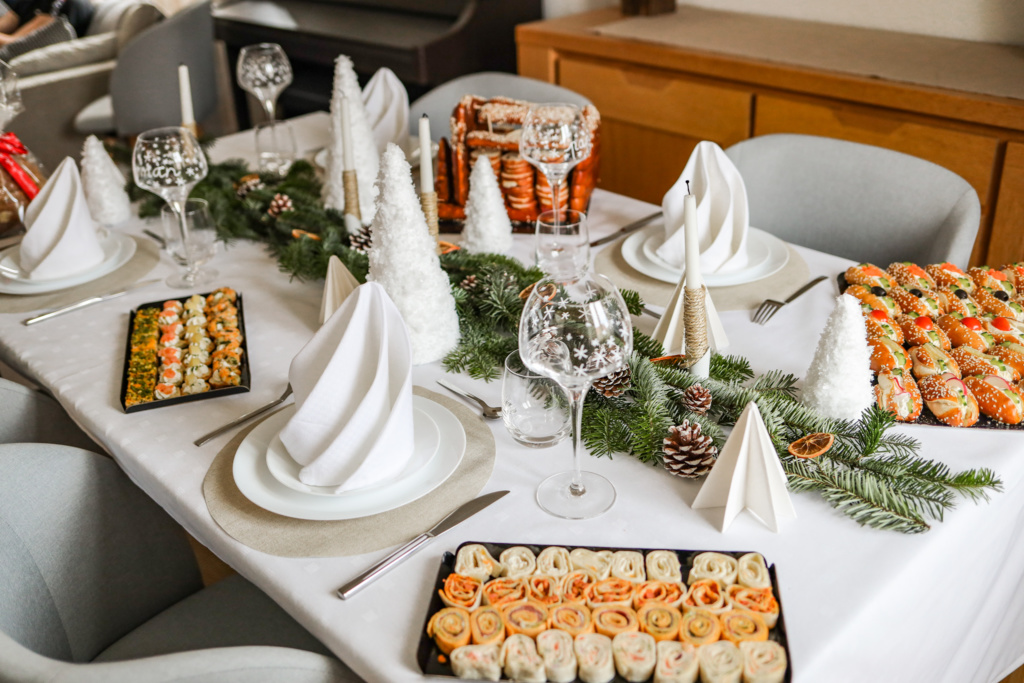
(99, 584)
(28, 415)
(862, 202)
(439, 102)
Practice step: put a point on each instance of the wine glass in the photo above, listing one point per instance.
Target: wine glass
(575, 329)
(264, 71)
(169, 162)
(554, 138)
(202, 240)
(562, 242)
(10, 95)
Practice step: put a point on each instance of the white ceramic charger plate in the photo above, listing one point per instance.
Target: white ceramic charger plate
(768, 256)
(254, 480)
(118, 249)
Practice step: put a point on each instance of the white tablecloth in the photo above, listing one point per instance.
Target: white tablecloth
(861, 605)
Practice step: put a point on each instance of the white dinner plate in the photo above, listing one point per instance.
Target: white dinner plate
(412, 153)
(426, 440)
(118, 249)
(768, 255)
(254, 480)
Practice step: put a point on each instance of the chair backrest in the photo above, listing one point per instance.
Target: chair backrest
(30, 416)
(144, 84)
(439, 102)
(85, 555)
(862, 202)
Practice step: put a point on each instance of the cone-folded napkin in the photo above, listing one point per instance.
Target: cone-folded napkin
(387, 108)
(353, 391)
(338, 285)
(722, 214)
(61, 238)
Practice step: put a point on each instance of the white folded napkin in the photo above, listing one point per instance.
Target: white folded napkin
(387, 106)
(338, 284)
(61, 238)
(722, 214)
(353, 389)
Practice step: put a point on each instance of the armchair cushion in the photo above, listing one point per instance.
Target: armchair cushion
(57, 31)
(64, 55)
(96, 118)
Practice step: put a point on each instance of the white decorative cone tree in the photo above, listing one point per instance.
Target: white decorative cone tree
(103, 184)
(748, 476)
(838, 383)
(346, 85)
(487, 227)
(404, 261)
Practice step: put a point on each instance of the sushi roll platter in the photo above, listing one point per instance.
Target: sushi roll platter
(596, 615)
(184, 350)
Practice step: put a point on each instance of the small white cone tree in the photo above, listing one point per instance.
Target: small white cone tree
(403, 259)
(346, 85)
(838, 383)
(487, 227)
(103, 184)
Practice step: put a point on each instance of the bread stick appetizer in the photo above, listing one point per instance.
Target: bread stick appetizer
(921, 329)
(950, 400)
(956, 300)
(898, 394)
(910, 275)
(869, 275)
(991, 278)
(887, 355)
(997, 398)
(874, 298)
(929, 359)
(974, 362)
(917, 301)
(1010, 353)
(965, 331)
(998, 302)
(879, 324)
(946, 274)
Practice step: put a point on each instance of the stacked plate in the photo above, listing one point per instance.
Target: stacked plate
(118, 249)
(767, 255)
(268, 476)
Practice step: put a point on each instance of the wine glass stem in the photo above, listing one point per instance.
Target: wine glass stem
(576, 399)
(556, 186)
(270, 106)
(186, 253)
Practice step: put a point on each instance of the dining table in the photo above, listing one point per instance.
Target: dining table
(860, 604)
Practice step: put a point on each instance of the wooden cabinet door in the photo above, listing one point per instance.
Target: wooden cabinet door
(1006, 244)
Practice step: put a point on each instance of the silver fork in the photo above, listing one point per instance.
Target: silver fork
(769, 307)
(245, 418)
(489, 411)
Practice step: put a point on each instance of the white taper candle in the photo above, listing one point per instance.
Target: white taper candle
(694, 279)
(346, 137)
(188, 117)
(426, 158)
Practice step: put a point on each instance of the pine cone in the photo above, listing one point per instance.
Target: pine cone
(469, 283)
(361, 241)
(688, 453)
(613, 385)
(280, 204)
(697, 399)
(247, 184)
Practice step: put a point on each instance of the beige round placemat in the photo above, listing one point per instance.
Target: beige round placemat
(287, 537)
(740, 297)
(146, 256)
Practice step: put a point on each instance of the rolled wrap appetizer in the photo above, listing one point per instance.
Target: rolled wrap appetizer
(556, 649)
(474, 560)
(948, 274)
(706, 594)
(956, 300)
(659, 620)
(974, 362)
(477, 662)
(663, 565)
(518, 562)
(1010, 353)
(717, 566)
(699, 627)
(720, 662)
(575, 583)
(752, 571)
(950, 400)
(997, 398)
(875, 298)
(487, 626)
(529, 618)
(677, 663)
(461, 591)
(504, 592)
(611, 620)
(573, 618)
(916, 301)
(886, 355)
(449, 628)
(869, 275)
(879, 324)
(671, 594)
(629, 565)
(760, 601)
(921, 329)
(600, 563)
(739, 625)
(929, 359)
(594, 658)
(635, 655)
(554, 561)
(898, 394)
(546, 590)
(763, 661)
(610, 592)
(965, 331)
(520, 660)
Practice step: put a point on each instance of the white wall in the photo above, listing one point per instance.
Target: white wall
(994, 21)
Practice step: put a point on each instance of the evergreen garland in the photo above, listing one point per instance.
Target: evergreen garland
(870, 474)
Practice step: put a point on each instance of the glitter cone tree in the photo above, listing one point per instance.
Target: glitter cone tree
(404, 261)
(346, 85)
(838, 383)
(487, 228)
(103, 185)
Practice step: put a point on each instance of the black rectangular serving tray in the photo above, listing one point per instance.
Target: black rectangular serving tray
(427, 653)
(927, 417)
(242, 388)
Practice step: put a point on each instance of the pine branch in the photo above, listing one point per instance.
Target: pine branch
(634, 303)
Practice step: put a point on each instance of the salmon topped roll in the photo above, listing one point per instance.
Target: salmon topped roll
(910, 275)
(984, 276)
(869, 275)
(946, 274)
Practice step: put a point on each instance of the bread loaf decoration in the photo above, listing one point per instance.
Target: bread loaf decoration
(491, 127)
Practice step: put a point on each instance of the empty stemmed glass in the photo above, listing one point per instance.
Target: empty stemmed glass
(575, 328)
(264, 71)
(10, 95)
(554, 138)
(169, 162)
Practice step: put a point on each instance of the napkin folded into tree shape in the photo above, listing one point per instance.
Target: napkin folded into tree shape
(748, 475)
(353, 392)
(61, 239)
(722, 214)
(671, 332)
(339, 283)
(387, 107)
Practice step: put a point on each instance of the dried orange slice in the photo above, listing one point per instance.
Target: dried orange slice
(812, 445)
(447, 247)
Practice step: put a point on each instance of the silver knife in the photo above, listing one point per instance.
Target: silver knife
(460, 515)
(87, 302)
(632, 227)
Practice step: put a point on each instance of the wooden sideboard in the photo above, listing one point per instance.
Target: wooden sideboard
(657, 101)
